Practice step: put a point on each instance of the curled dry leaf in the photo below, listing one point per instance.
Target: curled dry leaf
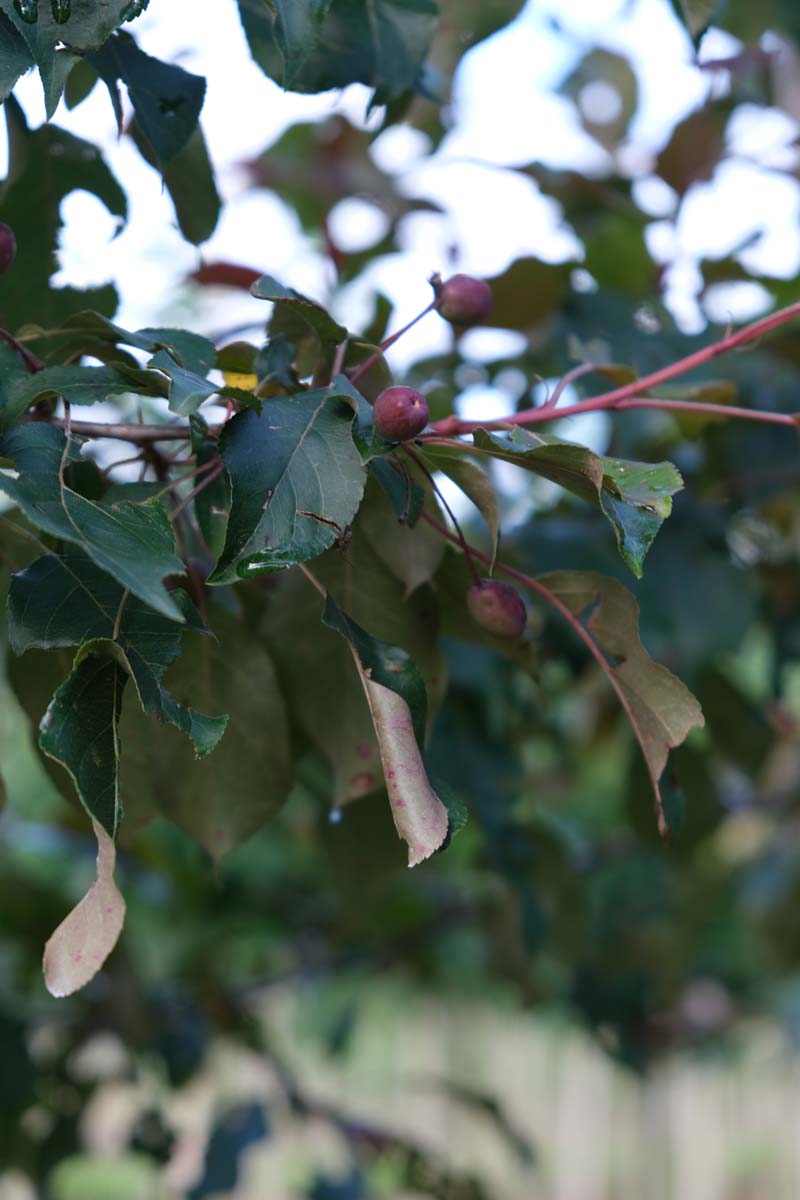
(83, 941)
(419, 815)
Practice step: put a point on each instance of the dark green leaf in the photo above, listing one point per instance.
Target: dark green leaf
(213, 504)
(87, 27)
(382, 43)
(133, 542)
(65, 600)
(635, 497)
(166, 99)
(189, 179)
(187, 390)
(80, 731)
(312, 314)
(296, 482)
(76, 385)
(405, 495)
(45, 166)
(224, 799)
(15, 57)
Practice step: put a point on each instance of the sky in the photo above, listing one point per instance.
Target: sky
(506, 112)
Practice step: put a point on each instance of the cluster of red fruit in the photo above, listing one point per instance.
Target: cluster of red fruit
(401, 413)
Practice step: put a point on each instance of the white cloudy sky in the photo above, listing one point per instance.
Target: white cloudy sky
(506, 113)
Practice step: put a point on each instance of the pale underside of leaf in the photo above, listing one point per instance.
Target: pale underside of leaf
(80, 945)
(419, 815)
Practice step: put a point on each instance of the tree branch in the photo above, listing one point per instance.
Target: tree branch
(629, 395)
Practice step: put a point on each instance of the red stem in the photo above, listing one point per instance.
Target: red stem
(628, 396)
(390, 341)
(559, 605)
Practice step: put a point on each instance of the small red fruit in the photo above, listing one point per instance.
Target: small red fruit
(400, 413)
(8, 247)
(497, 607)
(464, 300)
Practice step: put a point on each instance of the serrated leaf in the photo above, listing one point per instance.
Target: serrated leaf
(296, 482)
(308, 311)
(45, 166)
(132, 542)
(397, 701)
(90, 332)
(80, 945)
(381, 43)
(166, 99)
(660, 708)
(80, 731)
(635, 497)
(76, 385)
(88, 25)
(15, 56)
(65, 600)
(225, 798)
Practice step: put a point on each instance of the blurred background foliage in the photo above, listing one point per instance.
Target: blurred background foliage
(239, 990)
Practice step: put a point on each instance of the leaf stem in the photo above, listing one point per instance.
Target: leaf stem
(462, 541)
(390, 341)
(580, 630)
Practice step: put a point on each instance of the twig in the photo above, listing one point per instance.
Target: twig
(204, 483)
(390, 341)
(138, 434)
(629, 395)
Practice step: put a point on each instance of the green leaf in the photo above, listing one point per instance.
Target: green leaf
(76, 385)
(412, 554)
(314, 663)
(189, 179)
(296, 482)
(223, 800)
(635, 497)
(87, 27)
(77, 949)
(15, 56)
(381, 43)
(91, 333)
(80, 731)
(308, 311)
(403, 493)
(187, 390)
(696, 15)
(65, 600)
(397, 701)
(45, 166)
(166, 99)
(132, 542)
(213, 504)
(660, 708)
